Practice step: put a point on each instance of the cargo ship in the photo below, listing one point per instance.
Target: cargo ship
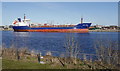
(24, 25)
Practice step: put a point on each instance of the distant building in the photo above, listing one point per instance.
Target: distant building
(99, 26)
(110, 27)
(113, 27)
(1, 26)
(96, 27)
(6, 27)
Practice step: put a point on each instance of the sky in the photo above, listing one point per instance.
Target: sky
(101, 13)
(60, 0)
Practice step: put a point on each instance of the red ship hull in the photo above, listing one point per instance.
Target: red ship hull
(55, 30)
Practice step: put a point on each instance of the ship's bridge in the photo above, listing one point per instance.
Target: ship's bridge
(20, 22)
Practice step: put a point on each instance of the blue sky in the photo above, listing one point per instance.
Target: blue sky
(101, 13)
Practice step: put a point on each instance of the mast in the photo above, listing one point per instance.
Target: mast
(81, 20)
(24, 17)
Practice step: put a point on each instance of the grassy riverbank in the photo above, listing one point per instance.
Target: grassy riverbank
(23, 58)
(30, 61)
(15, 64)
(20, 64)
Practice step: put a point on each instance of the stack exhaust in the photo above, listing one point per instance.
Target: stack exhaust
(24, 17)
(81, 20)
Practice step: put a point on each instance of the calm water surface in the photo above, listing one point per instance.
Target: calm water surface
(55, 41)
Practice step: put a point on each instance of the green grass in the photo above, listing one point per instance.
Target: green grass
(13, 64)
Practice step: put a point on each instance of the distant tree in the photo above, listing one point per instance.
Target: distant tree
(18, 54)
(71, 47)
(107, 52)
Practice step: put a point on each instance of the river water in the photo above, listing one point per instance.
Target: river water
(41, 41)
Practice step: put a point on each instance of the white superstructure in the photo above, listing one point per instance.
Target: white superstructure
(20, 22)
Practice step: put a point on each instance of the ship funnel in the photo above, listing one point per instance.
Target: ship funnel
(24, 17)
(81, 20)
(19, 19)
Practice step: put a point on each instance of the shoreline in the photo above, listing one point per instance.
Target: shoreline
(28, 58)
(109, 30)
